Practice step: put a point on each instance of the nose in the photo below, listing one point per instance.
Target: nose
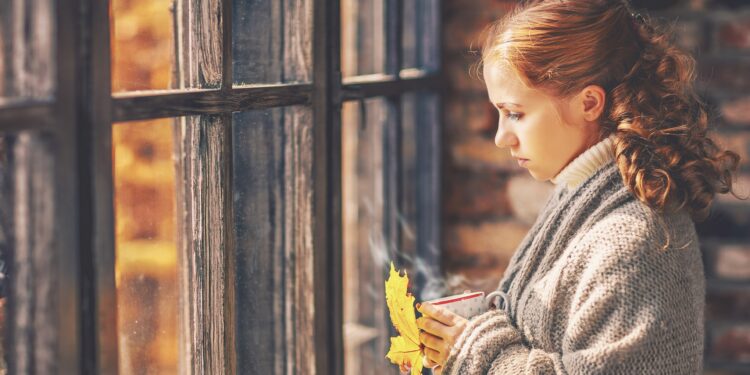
(504, 137)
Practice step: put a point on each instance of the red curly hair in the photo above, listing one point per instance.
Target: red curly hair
(662, 147)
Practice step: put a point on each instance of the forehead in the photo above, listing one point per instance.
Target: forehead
(504, 85)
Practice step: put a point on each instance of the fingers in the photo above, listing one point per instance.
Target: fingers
(435, 349)
(426, 362)
(404, 369)
(438, 313)
(431, 341)
(431, 326)
(431, 357)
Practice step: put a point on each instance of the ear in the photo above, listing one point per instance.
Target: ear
(592, 97)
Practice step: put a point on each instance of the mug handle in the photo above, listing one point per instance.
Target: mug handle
(490, 299)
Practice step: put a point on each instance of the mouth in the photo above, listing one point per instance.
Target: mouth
(522, 162)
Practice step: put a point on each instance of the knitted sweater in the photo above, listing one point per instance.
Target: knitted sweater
(589, 291)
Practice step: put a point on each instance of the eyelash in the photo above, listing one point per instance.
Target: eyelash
(513, 116)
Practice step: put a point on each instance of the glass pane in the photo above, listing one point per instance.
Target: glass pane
(420, 40)
(6, 232)
(272, 41)
(29, 309)
(419, 213)
(390, 213)
(409, 177)
(272, 183)
(367, 249)
(145, 246)
(143, 45)
(148, 55)
(26, 50)
(362, 37)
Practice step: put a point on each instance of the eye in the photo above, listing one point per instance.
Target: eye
(512, 116)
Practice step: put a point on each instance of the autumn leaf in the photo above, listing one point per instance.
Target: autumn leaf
(404, 348)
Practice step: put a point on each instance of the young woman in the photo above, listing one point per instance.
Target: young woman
(609, 280)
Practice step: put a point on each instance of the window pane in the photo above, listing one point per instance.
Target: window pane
(362, 37)
(420, 38)
(390, 213)
(367, 249)
(143, 45)
(146, 248)
(147, 53)
(272, 183)
(26, 50)
(419, 212)
(272, 41)
(29, 306)
(6, 214)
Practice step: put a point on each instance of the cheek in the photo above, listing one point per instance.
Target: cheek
(537, 136)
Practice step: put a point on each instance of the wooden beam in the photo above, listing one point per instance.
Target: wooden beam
(202, 151)
(27, 116)
(97, 261)
(326, 231)
(202, 221)
(150, 105)
(386, 85)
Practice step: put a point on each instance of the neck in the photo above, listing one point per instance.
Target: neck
(585, 164)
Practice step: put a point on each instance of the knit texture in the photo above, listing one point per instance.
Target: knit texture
(590, 291)
(588, 162)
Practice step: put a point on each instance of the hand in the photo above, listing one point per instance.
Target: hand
(405, 368)
(439, 330)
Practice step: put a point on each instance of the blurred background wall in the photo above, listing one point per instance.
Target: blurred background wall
(489, 203)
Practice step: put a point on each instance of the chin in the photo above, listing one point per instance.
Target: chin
(539, 177)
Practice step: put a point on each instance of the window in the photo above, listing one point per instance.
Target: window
(193, 179)
(26, 51)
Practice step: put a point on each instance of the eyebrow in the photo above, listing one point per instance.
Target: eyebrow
(501, 105)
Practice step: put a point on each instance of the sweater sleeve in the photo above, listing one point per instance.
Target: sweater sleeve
(491, 345)
(635, 313)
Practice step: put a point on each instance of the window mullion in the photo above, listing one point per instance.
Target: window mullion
(68, 201)
(392, 141)
(227, 71)
(230, 253)
(393, 29)
(201, 192)
(99, 322)
(200, 144)
(327, 235)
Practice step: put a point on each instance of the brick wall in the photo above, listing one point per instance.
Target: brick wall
(490, 203)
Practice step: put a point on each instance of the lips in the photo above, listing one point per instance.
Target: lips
(522, 162)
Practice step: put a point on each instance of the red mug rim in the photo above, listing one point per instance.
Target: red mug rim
(458, 298)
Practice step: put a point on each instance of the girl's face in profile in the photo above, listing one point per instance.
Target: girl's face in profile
(543, 133)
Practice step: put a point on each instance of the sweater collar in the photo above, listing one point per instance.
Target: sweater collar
(586, 163)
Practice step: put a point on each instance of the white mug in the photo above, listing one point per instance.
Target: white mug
(468, 304)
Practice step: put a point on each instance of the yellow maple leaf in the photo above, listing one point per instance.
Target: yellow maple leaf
(404, 348)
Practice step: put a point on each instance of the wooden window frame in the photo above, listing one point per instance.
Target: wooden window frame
(79, 120)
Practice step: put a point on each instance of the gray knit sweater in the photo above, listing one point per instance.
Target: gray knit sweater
(589, 291)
